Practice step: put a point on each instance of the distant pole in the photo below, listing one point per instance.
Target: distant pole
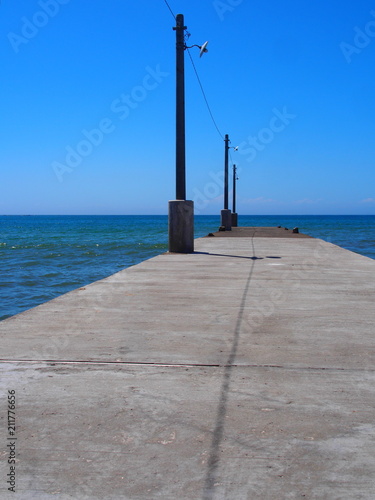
(234, 215)
(180, 108)
(234, 188)
(225, 217)
(226, 140)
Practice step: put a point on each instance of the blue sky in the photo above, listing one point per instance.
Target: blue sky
(88, 106)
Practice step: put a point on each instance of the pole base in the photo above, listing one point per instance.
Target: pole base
(226, 219)
(234, 219)
(181, 226)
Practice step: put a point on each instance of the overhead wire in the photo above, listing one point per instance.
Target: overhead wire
(169, 7)
(204, 95)
(230, 157)
(199, 80)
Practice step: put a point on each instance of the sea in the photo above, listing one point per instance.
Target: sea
(42, 257)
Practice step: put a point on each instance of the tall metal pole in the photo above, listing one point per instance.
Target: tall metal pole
(226, 140)
(180, 210)
(180, 108)
(234, 188)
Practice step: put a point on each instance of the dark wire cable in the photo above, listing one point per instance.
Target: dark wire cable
(199, 81)
(169, 7)
(204, 95)
(231, 159)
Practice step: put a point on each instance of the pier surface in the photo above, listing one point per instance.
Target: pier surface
(245, 370)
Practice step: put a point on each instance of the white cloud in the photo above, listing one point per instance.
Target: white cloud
(308, 201)
(257, 201)
(368, 200)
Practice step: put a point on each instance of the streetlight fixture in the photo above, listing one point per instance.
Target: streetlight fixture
(180, 210)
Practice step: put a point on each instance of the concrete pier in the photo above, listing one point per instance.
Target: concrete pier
(244, 370)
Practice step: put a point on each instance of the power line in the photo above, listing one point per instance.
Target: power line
(199, 81)
(204, 95)
(169, 7)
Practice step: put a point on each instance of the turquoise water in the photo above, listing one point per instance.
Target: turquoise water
(42, 257)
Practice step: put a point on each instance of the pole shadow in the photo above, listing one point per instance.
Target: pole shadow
(234, 256)
(218, 433)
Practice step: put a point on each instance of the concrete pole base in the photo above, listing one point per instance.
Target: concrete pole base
(234, 220)
(181, 226)
(226, 219)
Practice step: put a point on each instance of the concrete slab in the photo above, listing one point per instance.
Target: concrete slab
(91, 431)
(245, 370)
